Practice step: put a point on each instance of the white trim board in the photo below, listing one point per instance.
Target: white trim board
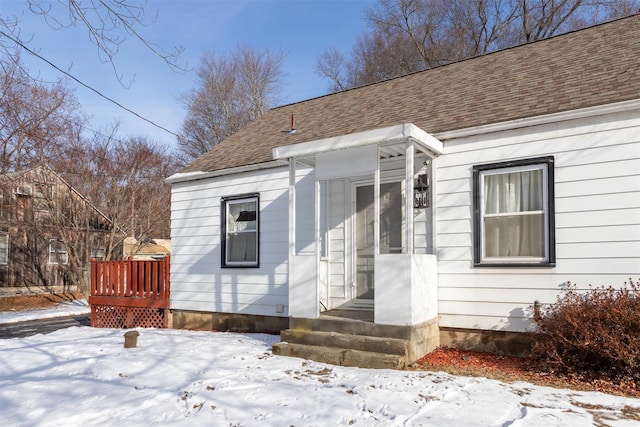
(193, 176)
(389, 134)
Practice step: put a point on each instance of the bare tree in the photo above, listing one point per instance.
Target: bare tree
(121, 180)
(412, 35)
(35, 119)
(544, 18)
(332, 64)
(125, 180)
(64, 230)
(42, 124)
(233, 89)
(109, 24)
(49, 230)
(95, 192)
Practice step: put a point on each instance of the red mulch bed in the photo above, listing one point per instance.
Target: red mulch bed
(34, 301)
(511, 369)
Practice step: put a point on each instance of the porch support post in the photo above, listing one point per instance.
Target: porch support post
(376, 209)
(292, 207)
(317, 211)
(303, 266)
(409, 158)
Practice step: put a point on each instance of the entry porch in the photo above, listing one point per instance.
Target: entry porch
(362, 268)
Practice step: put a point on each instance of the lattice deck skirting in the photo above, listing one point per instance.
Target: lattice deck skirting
(109, 316)
(130, 293)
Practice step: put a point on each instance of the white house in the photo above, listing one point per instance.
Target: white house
(430, 209)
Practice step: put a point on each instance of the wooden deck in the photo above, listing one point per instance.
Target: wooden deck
(130, 293)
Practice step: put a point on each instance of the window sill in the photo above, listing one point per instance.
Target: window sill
(240, 266)
(515, 265)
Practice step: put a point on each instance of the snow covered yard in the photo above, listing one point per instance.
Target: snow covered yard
(77, 307)
(85, 377)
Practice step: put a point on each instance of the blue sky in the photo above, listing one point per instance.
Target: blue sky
(303, 29)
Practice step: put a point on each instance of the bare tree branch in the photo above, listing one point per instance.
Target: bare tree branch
(109, 23)
(411, 35)
(233, 90)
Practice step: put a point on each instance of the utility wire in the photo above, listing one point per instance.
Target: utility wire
(19, 43)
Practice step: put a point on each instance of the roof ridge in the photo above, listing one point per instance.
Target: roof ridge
(597, 65)
(504, 49)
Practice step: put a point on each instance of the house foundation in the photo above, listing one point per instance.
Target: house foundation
(497, 342)
(208, 321)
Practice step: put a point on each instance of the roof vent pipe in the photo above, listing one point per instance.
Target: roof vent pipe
(293, 125)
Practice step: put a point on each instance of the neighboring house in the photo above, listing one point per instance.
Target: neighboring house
(438, 206)
(48, 231)
(146, 249)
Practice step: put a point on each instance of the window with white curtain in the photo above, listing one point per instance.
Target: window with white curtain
(514, 218)
(241, 228)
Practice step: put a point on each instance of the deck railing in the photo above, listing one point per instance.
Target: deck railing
(126, 288)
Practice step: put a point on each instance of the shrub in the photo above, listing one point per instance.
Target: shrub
(594, 334)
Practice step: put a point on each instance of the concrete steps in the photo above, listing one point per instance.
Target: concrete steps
(358, 343)
(340, 356)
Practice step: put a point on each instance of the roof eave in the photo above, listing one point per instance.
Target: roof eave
(597, 110)
(375, 136)
(193, 176)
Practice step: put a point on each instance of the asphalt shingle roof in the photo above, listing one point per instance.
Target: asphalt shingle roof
(595, 66)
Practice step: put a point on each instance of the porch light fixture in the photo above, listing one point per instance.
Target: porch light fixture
(421, 192)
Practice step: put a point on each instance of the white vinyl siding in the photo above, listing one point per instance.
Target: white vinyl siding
(198, 281)
(597, 218)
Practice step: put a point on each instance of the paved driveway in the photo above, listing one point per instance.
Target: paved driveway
(41, 326)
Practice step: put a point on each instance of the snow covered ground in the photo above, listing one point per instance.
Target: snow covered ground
(85, 377)
(68, 308)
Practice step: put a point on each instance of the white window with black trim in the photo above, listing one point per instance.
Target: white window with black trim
(241, 231)
(57, 252)
(514, 213)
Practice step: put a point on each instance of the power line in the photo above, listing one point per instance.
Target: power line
(19, 43)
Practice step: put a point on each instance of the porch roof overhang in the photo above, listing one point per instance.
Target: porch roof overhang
(396, 133)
